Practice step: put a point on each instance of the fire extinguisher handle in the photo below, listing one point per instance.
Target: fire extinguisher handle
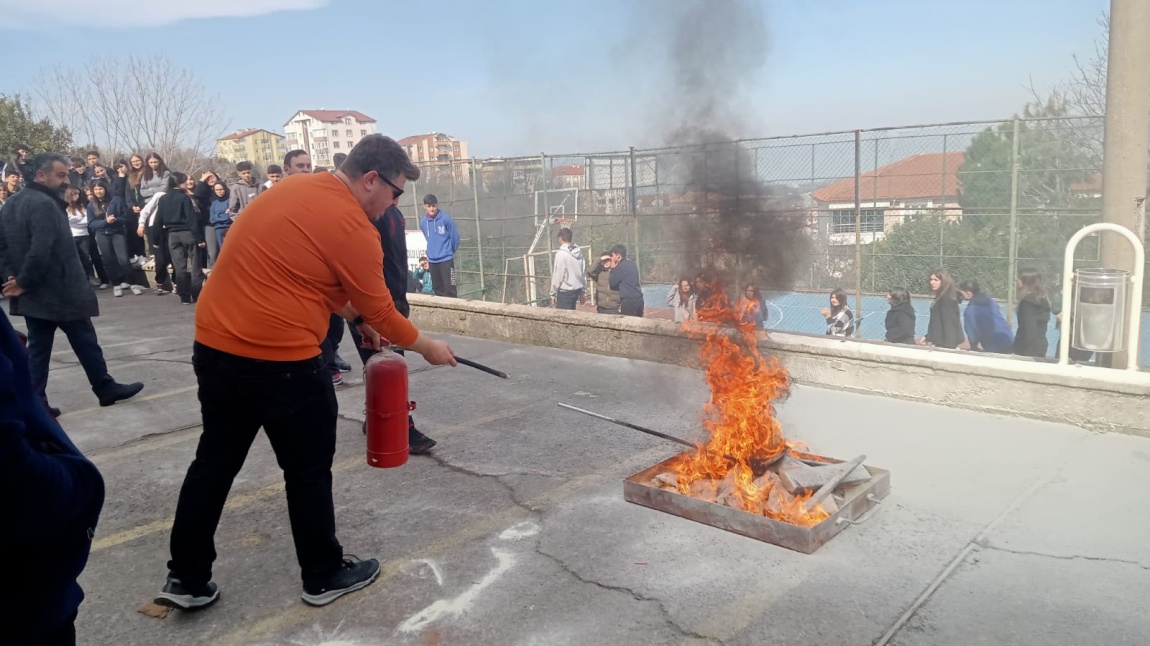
(410, 406)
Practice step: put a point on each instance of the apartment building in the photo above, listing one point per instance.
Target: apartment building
(323, 133)
(260, 147)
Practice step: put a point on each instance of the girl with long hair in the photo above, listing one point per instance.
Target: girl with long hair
(945, 327)
(1033, 315)
(133, 180)
(682, 301)
(106, 215)
(78, 221)
(840, 318)
(751, 308)
(900, 318)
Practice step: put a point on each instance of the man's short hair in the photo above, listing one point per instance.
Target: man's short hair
(76, 161)
(565, 235)
(430, 200)
(90, 153)
(292, 155)
(275, 170)
(9, 172)
(423, 258)
(44, 161)
(338, 159)
(382, 155)
(18, 147)
(619, 249)
(242, 166)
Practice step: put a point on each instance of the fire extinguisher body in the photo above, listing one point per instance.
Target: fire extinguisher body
(385, 377)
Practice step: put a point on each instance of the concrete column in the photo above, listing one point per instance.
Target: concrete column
(1126, 153)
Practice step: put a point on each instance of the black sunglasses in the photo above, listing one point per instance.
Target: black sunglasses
(395, 190)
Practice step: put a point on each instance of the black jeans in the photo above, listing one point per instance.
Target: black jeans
(83, 244)
(114, 252)
(631, 307)
(443, 278)
(160, 250)
(185, 251)
(567, 300)
(82, 337)
(294, 402)
(62, 635)
(97, 260)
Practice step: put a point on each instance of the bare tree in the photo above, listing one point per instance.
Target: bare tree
(136, 105)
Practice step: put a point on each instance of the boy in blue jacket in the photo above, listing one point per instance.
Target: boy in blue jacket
(986, 328)
(52, 499)
(442, 242)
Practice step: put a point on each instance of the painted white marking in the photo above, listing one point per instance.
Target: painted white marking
(583, 393)
(434, 569)
(520, 530)
(462, 604)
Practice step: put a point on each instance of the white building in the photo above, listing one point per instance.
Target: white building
(323, 133)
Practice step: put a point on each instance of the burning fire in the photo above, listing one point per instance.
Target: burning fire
(741, 419)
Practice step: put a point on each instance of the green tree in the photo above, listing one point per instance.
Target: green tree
(19, 126)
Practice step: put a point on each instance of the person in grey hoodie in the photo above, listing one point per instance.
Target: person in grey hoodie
(245, 189)
(568, 276)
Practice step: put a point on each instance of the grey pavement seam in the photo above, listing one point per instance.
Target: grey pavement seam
(1063, 557)
(981, 538)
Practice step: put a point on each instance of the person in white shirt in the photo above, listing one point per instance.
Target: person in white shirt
(78, 221)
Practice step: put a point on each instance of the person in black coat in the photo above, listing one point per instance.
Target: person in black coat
(178, 221)
(945, 327)
(393, 238)
(900, 319)
(53, 497)
(46, 282)
(21, 161)
(625, 280)
(1033, 315)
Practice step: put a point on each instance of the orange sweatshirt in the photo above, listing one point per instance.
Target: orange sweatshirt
(300, 251)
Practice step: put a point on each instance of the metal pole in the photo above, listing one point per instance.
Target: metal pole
(942, 211)
(873, 242)
(478, 230)
(546, 202)
(858, 226)
(1127, 130)
(634, 199)
(1012, 262)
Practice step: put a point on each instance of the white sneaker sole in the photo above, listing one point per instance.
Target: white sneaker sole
(332, 595)
(185, 601)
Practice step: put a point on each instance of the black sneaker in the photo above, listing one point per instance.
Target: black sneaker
(176, 595)
(418, 443)
(341, 364)
(353, 575)
(54, 412)
(120, 392)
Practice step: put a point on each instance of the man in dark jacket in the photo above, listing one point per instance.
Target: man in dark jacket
(606, 300)
(52, 500)
(21, 161)
(625, 280)
(178, 221)
(46, 282)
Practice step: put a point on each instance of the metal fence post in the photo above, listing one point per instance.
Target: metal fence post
(478, 230)
(942, 210)
(633, 198)
(1012, 269)
(858, 226)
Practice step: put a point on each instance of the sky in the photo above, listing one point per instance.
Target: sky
(520, 77)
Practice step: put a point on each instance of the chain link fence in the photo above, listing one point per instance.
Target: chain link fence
(879, 209)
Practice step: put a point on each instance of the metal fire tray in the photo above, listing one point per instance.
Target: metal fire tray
(856, 505)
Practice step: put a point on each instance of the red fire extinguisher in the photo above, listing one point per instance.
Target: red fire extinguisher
(387, 408)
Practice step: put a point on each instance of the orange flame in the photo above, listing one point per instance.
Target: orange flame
(741, 419)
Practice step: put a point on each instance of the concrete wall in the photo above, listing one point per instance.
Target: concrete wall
(1093, 398)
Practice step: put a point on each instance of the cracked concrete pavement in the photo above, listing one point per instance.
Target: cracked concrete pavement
(514, 531)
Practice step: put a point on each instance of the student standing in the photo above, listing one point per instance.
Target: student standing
(178, 218)
(442, 242)
(1033, 315)
(986, 327)
(944, 330)
(840, 318)
(106, 213)
(78, 221)
(900, 319)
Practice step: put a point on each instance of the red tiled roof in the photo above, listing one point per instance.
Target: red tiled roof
(329, 116)
(917, 176)
(574, 170)
(414, 139)
(240, 134)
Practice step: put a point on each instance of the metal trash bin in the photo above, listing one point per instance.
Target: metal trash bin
(1100, 314)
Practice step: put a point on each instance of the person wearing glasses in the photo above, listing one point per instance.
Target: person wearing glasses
(299, 252)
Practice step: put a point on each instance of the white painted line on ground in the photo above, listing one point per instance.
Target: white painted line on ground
(520, 531)
(457, 607)
(434, 569)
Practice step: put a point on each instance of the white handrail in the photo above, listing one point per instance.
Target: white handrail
(1132, 331)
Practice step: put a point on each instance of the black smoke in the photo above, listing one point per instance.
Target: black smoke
(740, 230)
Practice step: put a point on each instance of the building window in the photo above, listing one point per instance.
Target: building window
(335, 144)
(843, 221)
(363, 132)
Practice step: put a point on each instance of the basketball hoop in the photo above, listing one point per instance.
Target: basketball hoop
(563, 223)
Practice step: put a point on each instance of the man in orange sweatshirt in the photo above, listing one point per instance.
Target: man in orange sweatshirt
(299, 253)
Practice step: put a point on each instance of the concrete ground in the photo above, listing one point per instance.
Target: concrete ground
(515, 531)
